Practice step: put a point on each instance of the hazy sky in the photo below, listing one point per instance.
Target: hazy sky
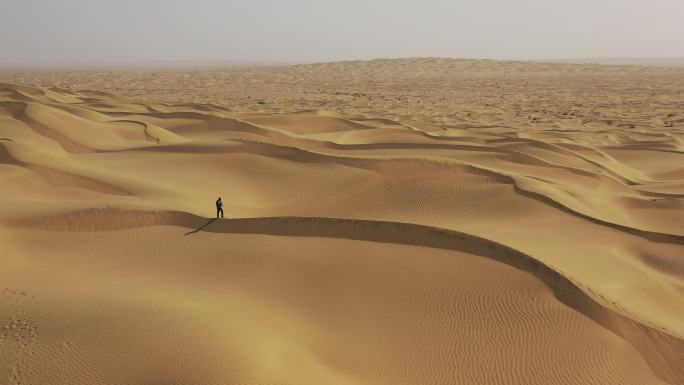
(94, 31)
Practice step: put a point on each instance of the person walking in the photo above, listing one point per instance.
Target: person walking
(219, 207)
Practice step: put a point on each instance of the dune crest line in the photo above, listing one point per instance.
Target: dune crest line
(661, 349)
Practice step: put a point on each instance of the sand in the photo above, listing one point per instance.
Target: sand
(419, 221)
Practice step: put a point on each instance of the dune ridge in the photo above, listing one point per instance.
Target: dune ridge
(662, 349)
(280, 151)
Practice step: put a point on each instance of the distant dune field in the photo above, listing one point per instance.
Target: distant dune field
(419, 221)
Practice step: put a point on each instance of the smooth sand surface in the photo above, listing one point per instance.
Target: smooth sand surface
(419, 221)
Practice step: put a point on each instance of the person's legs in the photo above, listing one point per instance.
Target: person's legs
(221, 211)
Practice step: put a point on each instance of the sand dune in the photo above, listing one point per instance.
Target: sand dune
(397, 235)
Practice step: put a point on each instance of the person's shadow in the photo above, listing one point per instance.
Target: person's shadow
(212, 220)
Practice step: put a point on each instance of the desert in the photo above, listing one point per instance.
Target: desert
(389, 221)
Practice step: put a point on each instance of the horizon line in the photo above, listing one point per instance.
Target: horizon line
(209, 63)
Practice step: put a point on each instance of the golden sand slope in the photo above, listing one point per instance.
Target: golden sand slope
(382, 250)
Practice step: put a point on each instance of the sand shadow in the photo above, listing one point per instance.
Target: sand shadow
(197, 230)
